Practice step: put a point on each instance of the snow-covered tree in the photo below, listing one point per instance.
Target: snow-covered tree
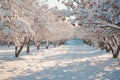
(49, 27)
(15, 26)
(96, 21)
(61, 29)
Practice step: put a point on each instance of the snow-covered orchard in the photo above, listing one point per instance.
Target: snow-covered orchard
(97, 22)
(28, 22)
(61, 44)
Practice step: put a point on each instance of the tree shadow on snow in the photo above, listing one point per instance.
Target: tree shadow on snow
(76, 54)
(90, 69)
(74, 71)
(86, 70)
(10, 56)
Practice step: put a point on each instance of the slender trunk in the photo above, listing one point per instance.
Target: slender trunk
(118, 47)
(111, 49)
(117, 52)
(107, 48)
(61, 42)
(17, 53)
(47, 47)
(90, 42)
(48, 43)
(38, 47)
(28, 47)
(21, 47)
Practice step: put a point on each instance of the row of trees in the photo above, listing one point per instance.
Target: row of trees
(108, 39)
(96, 22)
(23, 22)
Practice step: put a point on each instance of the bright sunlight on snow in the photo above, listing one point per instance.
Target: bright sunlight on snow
(59, 39)
(67, 62)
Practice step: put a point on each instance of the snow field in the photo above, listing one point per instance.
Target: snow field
(67, 62)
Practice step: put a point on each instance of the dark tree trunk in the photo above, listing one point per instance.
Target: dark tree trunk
(117, 52)
(28, 49)
(61, 42)
(17, 52)
(28, 46)
(48, 44)
(111, 49)
(118, 48)
(38, 47)
(107, 48)
(47, 47)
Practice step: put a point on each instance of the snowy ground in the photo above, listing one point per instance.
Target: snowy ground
(67, 62)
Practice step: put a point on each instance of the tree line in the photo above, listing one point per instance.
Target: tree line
(26, 22)
(97, 22)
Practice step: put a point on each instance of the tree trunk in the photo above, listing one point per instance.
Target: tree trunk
(118, 48)
(28, 47)
(117, 52)
(107, 48)
(111, 49)
(60, 43)
(17, 52)
(48, 43)
(38, 47)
